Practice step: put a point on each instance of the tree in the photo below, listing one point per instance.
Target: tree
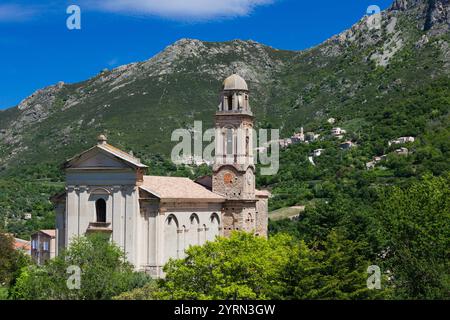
(148, 292)
(416, 222)
(104, 273)
(240, 267)
(249, 267)
(334, 270)
(11, 260)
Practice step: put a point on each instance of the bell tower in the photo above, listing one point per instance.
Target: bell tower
(234, 169)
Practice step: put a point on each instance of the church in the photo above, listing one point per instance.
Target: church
(155, 218)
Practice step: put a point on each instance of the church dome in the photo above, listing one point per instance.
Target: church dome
(235, 82)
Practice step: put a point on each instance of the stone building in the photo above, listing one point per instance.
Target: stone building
(155, 218)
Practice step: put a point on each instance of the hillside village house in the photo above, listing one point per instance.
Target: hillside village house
(318, 152)
(298, 137)
(402, 151)
(375, 161)
(347, 145)
(337, 131)
(43, 246)
(401, 140)
(156, 218)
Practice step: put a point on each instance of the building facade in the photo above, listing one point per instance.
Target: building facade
(155, 218)
(43, 246)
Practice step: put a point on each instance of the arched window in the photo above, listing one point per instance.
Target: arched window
(171, 241)
(204, 235)
(224, 143)
(171, 219)
(240, 101)
(100, 208)
(194, 219)
(214, 227)
(229, 142)
(215, 221)
(193, 233)
(183, 245)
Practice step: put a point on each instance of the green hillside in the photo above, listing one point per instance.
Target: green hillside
(378, 84)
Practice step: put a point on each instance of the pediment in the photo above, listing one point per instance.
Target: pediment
(104, 156)
(98, 159)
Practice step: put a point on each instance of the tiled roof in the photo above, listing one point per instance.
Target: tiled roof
(22, 244)
(49, 232)
(175, 188)
(121, 154)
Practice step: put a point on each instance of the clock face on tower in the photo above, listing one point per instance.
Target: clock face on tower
(228, 178)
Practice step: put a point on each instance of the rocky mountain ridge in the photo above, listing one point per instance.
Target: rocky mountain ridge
(139, 104)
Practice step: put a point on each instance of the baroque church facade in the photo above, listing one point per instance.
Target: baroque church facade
(155, 218)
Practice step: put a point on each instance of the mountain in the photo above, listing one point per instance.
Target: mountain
(138, 105)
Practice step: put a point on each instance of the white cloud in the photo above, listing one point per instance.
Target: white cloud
(181, 9)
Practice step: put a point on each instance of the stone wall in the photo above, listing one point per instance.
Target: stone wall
(262, 216)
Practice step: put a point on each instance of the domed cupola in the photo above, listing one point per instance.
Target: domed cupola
(235, 82)
(235, 95)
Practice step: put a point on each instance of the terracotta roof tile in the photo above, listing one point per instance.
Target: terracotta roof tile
(22, 244)
(175, 188)
(121, 154)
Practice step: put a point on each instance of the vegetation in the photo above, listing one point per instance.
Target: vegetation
(11, 261)
(325, 254)
(247, 267)
(406, 232)
(417, 228)
(395, 216)
(21, 196)
(423, 115)
(147, 292)
(3, 293)
(103, 273)
(241, 267)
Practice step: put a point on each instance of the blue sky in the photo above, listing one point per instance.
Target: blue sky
(37, 49)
